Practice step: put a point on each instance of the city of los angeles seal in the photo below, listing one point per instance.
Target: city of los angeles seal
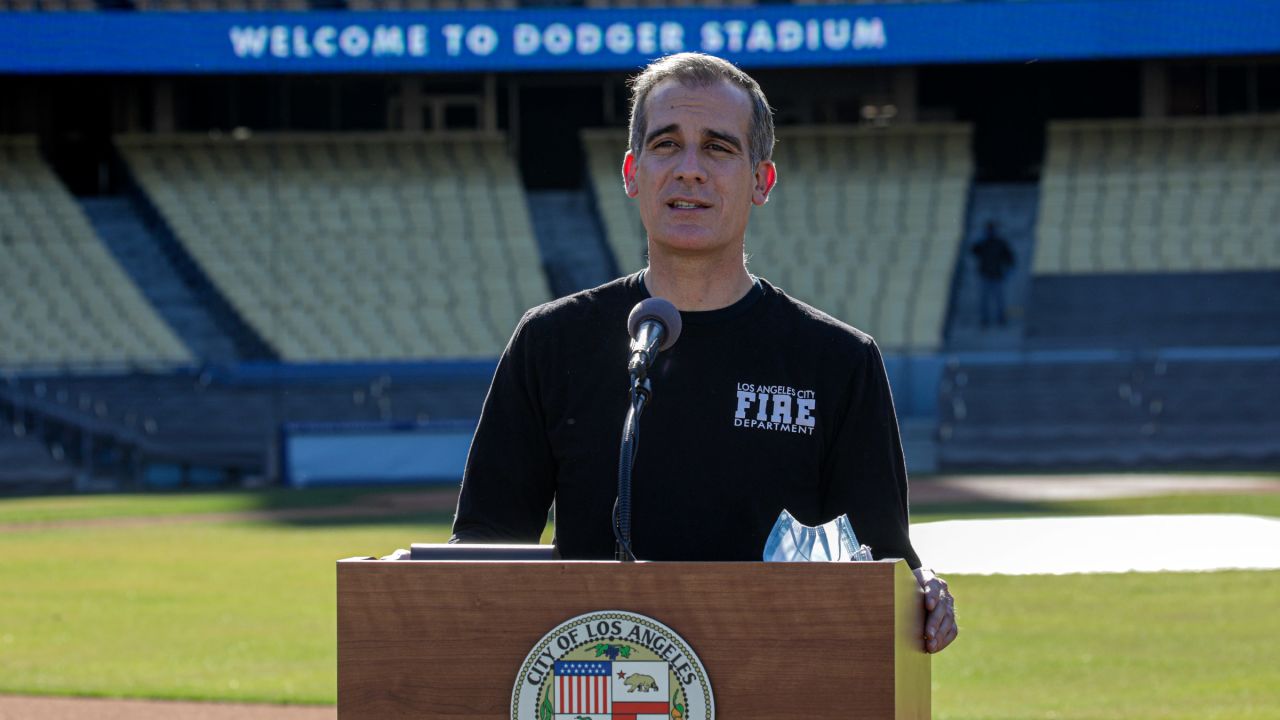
(612, 665)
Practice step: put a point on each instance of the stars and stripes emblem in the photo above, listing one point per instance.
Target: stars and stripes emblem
(582, 688)
(604, 690)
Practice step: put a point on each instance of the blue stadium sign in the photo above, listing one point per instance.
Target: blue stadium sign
(617, 39)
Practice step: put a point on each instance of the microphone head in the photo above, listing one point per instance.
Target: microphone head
(659, 311)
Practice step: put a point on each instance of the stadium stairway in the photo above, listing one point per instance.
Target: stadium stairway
(570, 240)
(172, 281)
(142, 255)
(1013, 207)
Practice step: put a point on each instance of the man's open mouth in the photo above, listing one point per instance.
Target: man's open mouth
(686, 205)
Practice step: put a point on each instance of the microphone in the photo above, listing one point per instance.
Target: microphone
(654, 325)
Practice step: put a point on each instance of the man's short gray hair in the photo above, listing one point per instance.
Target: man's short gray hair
(699, 70)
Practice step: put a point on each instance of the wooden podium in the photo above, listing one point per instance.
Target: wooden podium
(446, 639)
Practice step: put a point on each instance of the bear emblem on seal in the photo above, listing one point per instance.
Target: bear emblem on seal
(643, 683)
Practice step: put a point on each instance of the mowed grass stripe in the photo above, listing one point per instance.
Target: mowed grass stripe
(160, 504)
(62, 509)
(219, 612)
(1155, 645)
(1262, 504)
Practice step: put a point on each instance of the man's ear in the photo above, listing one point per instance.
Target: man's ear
(766, 176)
(629, 175)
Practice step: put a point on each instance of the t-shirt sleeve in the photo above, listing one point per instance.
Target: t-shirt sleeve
(865, 472)
(509, 480)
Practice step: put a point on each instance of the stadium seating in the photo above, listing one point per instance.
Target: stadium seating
(605, 149)
(865, 223)
(1114, 410)
(353, 247)
(27, 468)
(666, 3)
(875, 2)
(1152, 310)
(1180, 195)
(66, 301)
(362, 5)
(48, 5)
(196, 419)
(432, 4)
(218, 5)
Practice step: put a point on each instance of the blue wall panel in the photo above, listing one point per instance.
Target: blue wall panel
(374, 453)
(580, 39)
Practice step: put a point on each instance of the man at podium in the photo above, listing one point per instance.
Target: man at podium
(763, 404)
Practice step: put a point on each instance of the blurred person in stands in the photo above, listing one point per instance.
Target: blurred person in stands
(764, 403)
(995, 260)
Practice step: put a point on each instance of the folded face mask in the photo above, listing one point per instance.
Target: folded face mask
(792, 541)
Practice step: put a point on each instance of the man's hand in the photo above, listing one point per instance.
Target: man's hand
(940, 626)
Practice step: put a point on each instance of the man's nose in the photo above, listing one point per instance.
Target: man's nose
(690, 168)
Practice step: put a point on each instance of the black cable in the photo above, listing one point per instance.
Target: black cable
(624, 552)
(640, 392)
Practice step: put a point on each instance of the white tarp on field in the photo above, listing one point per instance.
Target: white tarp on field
(1113, 544)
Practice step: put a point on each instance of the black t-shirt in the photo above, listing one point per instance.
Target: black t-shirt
(764, 405)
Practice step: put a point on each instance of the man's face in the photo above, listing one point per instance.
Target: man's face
(693, 177)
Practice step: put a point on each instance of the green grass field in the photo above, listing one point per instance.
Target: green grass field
(97, 507)
(226, 610)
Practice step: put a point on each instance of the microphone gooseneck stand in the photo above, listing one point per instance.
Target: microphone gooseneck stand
(641, 392)
(654, 324)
